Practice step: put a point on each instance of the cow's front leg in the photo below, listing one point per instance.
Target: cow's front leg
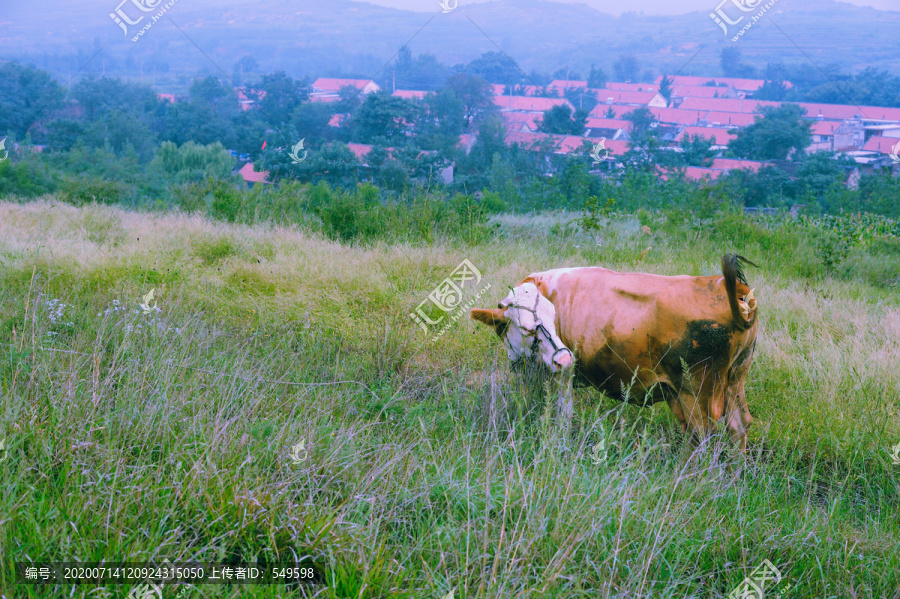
(565, 396)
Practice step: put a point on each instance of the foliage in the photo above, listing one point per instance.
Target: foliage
(28, 95)
(563, 120)
(626, 68)
(194, 162)
(775, 134)
(593, 216)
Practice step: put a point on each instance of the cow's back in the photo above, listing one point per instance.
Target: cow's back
(621, 322)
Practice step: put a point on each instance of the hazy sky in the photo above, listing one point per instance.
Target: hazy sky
(660, 7)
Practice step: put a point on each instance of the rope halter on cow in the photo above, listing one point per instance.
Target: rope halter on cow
(539, 328)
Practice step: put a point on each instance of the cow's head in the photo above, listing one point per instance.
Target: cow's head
(525, 321)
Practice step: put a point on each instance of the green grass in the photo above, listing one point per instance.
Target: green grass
(431, 466)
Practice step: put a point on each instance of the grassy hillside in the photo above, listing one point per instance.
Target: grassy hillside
(136, 434)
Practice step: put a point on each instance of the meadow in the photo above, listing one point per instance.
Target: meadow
(428, 468)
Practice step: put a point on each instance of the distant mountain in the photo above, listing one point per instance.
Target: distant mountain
(341, 37)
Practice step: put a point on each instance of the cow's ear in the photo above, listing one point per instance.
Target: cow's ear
(492, 318)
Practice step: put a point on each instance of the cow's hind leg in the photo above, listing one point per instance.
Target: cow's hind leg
(736, 411)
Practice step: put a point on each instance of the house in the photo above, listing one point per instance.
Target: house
(720, 137)
(742, 85)
(337, 119)
(608, 128)
(725, 104)
(677, 116)
(252, 177)
(848, 135)
(409, 94)
(529, 104)
(562, 144)
(244, 100)
(680, 92)
(733, 119)
(728, 164)
(632, 87)
(843, 112)
(696, 173)
(521, 121)
(611, 96)
(170, 98)
(883, 145)
(323, 86)
(822, 136)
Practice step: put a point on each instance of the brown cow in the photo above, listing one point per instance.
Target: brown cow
(684, 340)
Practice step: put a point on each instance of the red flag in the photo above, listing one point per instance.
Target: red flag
(264, 146)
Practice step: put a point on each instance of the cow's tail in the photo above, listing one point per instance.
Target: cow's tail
(732, 270)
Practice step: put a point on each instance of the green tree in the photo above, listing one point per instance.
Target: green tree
(491, 139)
(627, 68)
(597, 78)
(311, 119)
(774, 134)
(383, 116)
(193, 162)
(665, 89)
(278, 95)
(244, 70)
(642, 121)
(28, 94)
(730, 61)
(210, 92)
(495, 67)
(442, 121)
(696, 150)
(477, 97)
(97, 97)
(562, 120)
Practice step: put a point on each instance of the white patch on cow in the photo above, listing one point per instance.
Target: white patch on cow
(532, 317)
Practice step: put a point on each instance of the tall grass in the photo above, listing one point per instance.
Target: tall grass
(167, 433)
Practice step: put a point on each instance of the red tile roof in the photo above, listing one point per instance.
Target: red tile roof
(614, 147)
(736, 83)
(735, 119)
(360, 150)
(598, 123)
(517, 120)
(250, 176)
(410, 94)
(824, 127)
(529, 103)
(702, 91)
(677, 115)
(845, 111)
(567, 144)
(623, 97)
(696, 173)
(335, 85)
(724, 105)
(337, 119)
(729, 164)
(632, 87)
(600, 111)
(883, 145)
(166, 97)
(720, 137)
